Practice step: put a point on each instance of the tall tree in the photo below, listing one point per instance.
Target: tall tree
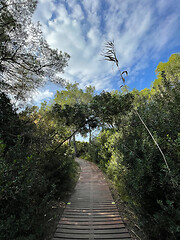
(26, 60)
(74, 104)
(171, 68)
(73, 95)
(109, 107)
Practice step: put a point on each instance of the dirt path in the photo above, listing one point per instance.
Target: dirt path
(91, 212)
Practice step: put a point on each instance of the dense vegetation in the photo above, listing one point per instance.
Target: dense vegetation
(37, 145)
(32, 173)
(126, 152)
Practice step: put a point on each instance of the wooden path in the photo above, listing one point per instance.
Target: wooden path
(91, 212)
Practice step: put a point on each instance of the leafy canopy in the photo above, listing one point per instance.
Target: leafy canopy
(26, 60)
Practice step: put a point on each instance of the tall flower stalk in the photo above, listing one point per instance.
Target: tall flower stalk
(110, 55)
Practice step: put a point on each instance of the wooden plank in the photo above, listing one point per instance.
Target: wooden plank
(112, 236)
(91, 212)
(128, 238)
(93, 223)
(94, 215)
(85, 219)
(60, 238)
(96, 227)
(95, 231)
(71, 236)
(85, 236)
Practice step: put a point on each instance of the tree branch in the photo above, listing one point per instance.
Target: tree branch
(66, 140)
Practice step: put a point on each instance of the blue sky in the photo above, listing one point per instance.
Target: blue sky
(145, 33)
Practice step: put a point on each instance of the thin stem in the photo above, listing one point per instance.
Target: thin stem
(110, 55)
(153, 140)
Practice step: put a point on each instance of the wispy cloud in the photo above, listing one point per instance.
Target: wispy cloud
(38, 96)
(141, 30)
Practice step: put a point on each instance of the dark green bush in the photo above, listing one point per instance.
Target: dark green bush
(26, 187)
(132, 160)
(154, 191)
(30, 176)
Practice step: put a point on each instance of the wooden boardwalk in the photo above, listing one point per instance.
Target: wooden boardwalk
(91, 212)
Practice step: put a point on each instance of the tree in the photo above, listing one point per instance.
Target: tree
(74, 117)
(26, 60)
(73, 101)
(130, 158)
(170, 68)
(9, 122)
(109, 107)
(31, 174)
(74, 95)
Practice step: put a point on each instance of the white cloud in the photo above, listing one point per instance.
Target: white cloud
(77, 12)
(91, 8)
(165, 30)
(141, 30)
(38, 96)
(44, 11)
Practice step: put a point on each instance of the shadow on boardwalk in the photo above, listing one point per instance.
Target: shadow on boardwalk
(91, 212)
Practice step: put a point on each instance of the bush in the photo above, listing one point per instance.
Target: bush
(132, 160)
(30, 176)
(26, 186)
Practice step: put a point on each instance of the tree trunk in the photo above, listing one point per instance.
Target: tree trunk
(75, 147)
(90, 135)
(70, 141)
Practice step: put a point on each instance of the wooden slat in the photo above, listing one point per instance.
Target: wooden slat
(83, 219)
(96, 236)
(96, 227)
(91, 212)
(97, 231)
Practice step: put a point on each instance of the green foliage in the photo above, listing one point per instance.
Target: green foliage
(9, 121)
(82, 148)
(130, 158)
(108, 105)
(171, 68)
(26, 60)
(26, 187)
(72, 107)
(36, 162)
(31, 174)
(74, 95)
